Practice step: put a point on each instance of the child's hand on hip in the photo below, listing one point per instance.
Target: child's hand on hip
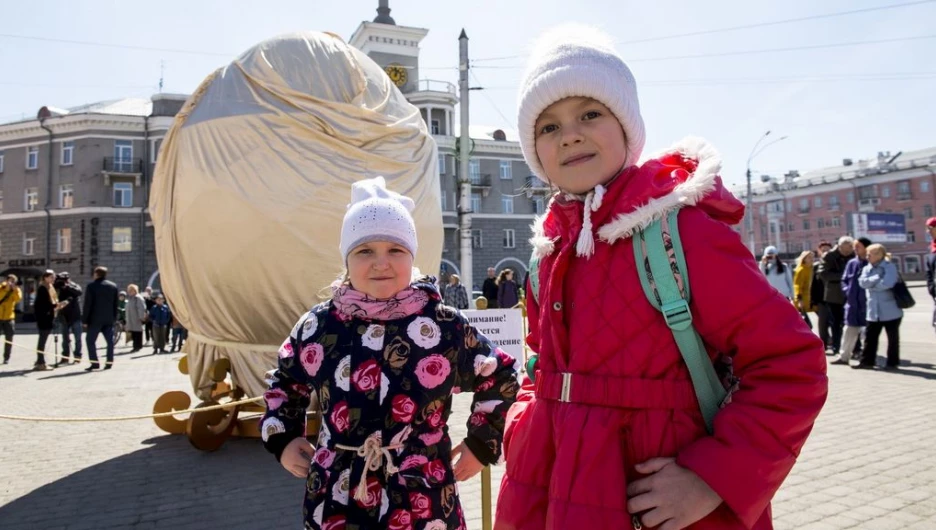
(297, 457)
(468, 465)
(671, 497)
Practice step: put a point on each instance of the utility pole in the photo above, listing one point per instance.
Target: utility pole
(464, 151)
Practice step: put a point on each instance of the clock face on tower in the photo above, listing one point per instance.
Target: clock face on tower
(397, 73)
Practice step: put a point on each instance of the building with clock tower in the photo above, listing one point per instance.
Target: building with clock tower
(505, 197)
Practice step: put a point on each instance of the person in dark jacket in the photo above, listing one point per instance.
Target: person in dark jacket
(160, 317)
(99, 315)
(489, 289)
(831, 270)
(507, 295)
(855, 304)
(70, 293)
(45, 308)
(817, 298)
(150, 302)
(931, 264)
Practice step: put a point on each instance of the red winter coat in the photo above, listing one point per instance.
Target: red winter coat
(568, 464)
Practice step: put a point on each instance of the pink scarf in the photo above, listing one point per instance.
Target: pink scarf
(356, 304)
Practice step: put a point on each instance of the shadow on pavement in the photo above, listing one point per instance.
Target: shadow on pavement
(167, 484)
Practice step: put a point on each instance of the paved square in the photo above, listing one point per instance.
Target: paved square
(870, 463)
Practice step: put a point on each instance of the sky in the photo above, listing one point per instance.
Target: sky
(831, 102)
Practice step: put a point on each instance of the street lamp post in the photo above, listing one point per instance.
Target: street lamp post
(749, 207)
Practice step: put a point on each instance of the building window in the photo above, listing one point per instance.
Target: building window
(68, 152)
(474, 171)
(927, 210)
(507, 204)
(885, 192)
(436, 128)
(31, 200)
(64, 241)
(790, 227)
(29, 245)
(834, 201)
(123, 155)
(476, 240)
(908, 213)
(781, 227)
(836, 222)
(924, 185)
(123, 240)
(851, 197)
(123, 194)
(773, 228)
(66, 196)
(509, 238)
(911, 237)
(442, 201)
(806, 246)
(476, 203)
(903, 190)
(817, 202)
(1, 161)
(820, 223)
(804, 205)
(441, 164)
(805, 224)
(538, 205)
(911, 264)
(154, 150)
(32, 157)
(505, 171)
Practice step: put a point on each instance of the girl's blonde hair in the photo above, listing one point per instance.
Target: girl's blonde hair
(133, 287)
(802, 257)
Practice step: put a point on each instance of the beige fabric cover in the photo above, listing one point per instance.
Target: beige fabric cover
(252, 183)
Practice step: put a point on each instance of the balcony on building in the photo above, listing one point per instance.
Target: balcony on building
(803, 209)
(124, 168)
(481, 183)
(905, 196)
(535, 186)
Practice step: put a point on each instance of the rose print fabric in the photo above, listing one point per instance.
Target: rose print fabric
(390, 383)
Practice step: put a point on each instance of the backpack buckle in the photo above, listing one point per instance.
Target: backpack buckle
(677, 314)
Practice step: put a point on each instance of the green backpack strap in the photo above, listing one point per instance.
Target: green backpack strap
(533, 271)
(659, 281)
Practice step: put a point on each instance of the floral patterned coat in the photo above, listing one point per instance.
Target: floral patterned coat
(389, 382)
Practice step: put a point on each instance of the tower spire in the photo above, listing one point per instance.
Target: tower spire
(383, 13)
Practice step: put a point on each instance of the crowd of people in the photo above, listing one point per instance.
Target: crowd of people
(62, 306)
(850, 288)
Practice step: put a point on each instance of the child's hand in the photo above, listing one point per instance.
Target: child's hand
(468, 465)
(671, 497)
(297, 457)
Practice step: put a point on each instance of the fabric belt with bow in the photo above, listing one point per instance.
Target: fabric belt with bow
(373, 454)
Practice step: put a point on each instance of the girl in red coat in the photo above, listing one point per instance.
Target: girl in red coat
(627, 446)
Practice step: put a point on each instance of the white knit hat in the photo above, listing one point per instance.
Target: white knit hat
(377, 214)
(577, 60)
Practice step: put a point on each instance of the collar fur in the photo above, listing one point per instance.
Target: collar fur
(688, 193)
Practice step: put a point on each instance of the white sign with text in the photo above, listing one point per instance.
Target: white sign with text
(504, 327)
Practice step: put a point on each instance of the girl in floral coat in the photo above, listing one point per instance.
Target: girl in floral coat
(384, 357)
(610, 433)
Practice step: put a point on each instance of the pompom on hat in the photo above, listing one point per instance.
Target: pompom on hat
(576, 60)
(377, 214)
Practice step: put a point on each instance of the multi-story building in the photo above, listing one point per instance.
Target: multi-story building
(74, 188)
(795, 212)
(74, 184)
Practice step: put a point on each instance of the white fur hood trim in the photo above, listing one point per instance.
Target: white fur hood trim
(689, 193)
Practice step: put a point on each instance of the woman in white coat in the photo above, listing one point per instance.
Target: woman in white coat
(136, 316)
(778, 274)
